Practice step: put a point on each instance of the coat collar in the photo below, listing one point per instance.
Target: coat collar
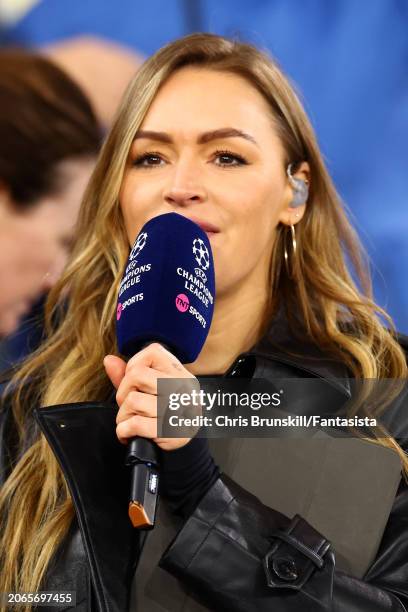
(279, 345)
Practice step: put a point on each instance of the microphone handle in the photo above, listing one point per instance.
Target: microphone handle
(142, 457)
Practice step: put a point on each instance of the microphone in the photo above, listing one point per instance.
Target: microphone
(166, 295)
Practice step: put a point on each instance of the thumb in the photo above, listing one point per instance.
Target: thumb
(115, 368)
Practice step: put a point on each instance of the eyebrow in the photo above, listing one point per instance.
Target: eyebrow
(227, 132)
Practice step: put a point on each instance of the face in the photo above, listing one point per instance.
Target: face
(35, 243)
(208, 150)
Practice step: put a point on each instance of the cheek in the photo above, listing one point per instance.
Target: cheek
(256, 216)
(136, 205)
(128, 199)
(248, 242)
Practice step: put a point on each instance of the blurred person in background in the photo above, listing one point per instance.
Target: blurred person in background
(49, 138)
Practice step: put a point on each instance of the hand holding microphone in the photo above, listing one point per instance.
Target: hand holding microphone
(136, 384)
(166, 298)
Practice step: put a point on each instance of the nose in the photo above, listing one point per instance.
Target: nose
(185, 187)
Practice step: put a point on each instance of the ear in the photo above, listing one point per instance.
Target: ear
(291, 215)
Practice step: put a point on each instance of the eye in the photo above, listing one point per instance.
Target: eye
(227, 158)
(148, 160)
(223, 159)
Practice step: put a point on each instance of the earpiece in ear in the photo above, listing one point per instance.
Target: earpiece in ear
(300, 187)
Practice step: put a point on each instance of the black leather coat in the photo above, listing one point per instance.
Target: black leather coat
(218, 553)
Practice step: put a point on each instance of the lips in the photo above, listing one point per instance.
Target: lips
(207, 227)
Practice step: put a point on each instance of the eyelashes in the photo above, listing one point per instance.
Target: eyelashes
(228, 154)
(141, 161)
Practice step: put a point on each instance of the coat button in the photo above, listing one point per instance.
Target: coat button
(285, 568)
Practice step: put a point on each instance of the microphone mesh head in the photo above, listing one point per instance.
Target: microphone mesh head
(167, 290)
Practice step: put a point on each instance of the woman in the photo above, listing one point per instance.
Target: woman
(210, 129)
(49, 138)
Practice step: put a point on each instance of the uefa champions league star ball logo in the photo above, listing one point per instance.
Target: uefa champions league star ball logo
(201, 254)
(138, 246)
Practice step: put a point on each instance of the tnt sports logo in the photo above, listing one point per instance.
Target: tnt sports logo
(182, 302)
(201, 254)
(138, 246)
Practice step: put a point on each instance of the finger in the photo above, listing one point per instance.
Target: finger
(137, 403)
(115, 368)
(137, 425)
(157, 357)
(139, 378)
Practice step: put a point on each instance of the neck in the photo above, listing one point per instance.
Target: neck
(238, 323)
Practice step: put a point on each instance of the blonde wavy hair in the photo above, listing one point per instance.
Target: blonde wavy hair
(35, 505)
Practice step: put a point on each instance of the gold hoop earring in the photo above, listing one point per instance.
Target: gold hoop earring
(292, 270)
